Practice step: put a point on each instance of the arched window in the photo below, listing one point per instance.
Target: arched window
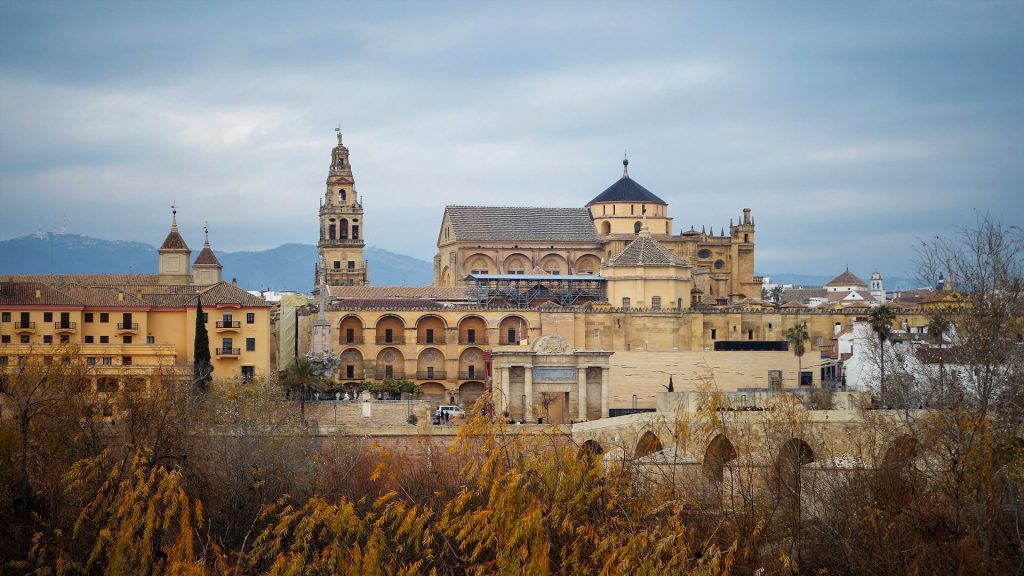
(355, 232)
(344, 229)
(606, 227)
(332, 230)
(341, 195)
(636, 228)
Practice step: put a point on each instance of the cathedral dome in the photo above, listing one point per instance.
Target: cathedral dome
(627, 190)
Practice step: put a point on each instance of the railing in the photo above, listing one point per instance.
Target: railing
(381, 340)
(507, 342)
(24, 325)
(134, 326)
(473, 341)
(355, 376)
(471, 375)
(236, 324)
(339, 242)
(395, 375)
(65, 326)
(353, 340)
(228, 351)
(431, 375)
(434, 340)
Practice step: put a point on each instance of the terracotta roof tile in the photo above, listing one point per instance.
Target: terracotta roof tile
(448, 293)
(207, 257)
(24, 293)
(174, 241)
(523, 224)
(646, 251)
(847, 278)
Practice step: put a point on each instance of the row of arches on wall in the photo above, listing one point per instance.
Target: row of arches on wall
(338, 229)
(465, 394)
(431, 364)
(895, 473)
(519, 263)
(432, 329)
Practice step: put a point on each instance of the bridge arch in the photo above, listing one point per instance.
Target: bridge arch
(720, 450)
(793, 455)
(647, 444)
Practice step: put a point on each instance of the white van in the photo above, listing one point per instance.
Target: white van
(451, 409)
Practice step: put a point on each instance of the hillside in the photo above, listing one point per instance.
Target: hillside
(287, 267)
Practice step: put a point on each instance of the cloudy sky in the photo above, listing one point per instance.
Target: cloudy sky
(850, 129)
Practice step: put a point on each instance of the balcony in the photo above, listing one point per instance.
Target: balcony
(228, 352)
(395, 375)
(352, 340)
(431, 375)
(127, 327)
(339, 242)
(228, 326)
(428, 341)
(355, 376)
(25, 327)
(395, 341)
(477, 340)
(471, 374)
(65, 327)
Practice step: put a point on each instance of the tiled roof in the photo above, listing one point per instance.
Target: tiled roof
(793, 304)
(847, 278)
(174, 241)
(89, 279)
(206, 256)
(224, 293)
(524, 224)
(804, 294)
(383, 292)
(138, 290)
(645, 251)
(389, 303)
(103, 296)
(626, 189)
(22, 293)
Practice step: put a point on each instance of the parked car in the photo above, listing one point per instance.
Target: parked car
(453, 410)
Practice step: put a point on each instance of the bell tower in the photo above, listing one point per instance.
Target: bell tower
(340, 248)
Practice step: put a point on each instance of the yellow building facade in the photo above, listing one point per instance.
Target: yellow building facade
(139, 326)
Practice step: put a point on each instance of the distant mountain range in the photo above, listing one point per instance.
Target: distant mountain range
(287, 267)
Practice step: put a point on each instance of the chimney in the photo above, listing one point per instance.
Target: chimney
(120, 296)
(39, 293)
(234, 282)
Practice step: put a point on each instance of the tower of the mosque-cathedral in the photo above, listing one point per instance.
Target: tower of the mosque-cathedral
(340, 248)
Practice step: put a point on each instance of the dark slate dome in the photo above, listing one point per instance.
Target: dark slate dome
(627, 190)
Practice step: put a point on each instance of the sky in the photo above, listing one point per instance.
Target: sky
(853, 130)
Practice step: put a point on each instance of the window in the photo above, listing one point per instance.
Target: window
(750, 334)
(127, 339)
(248, 373)
(250, 344)
(226, 345)
(104, 339)
(108, 360)
(206, 317)
(5, 316)
(389, 371)
(512, 336)
(470, 335)
(90, 361)
(88, 317)
(746, 238)
(430, 337)
(819, 341)
(47, 316)
(89, 339)
(150, 340)
(250, 317)
(48, 339)
(25, 339)
(337, 264)
(351, 264)
(388, 335)
(104, 317)
(64, 339)
(597, 332)
(5, 339)
(769, 325)
(655, 302)
(430, 372)
(625, 303)
(714, 333)
(472, 371)
(126, 360)
(350, 371)
(719, 264)
(3, 360)
(636, 228)
(350, 335)
(226, 318)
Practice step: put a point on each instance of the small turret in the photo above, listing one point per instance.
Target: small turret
(207, 269)
(174, 255)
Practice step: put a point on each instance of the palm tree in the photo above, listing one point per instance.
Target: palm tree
(881, 320)
(797, 336)
(300, 375)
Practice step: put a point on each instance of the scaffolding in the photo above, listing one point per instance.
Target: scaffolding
(523, 290)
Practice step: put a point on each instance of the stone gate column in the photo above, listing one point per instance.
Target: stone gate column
(581, 396)
(505, 385)
(604, 392)
(528, 390)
